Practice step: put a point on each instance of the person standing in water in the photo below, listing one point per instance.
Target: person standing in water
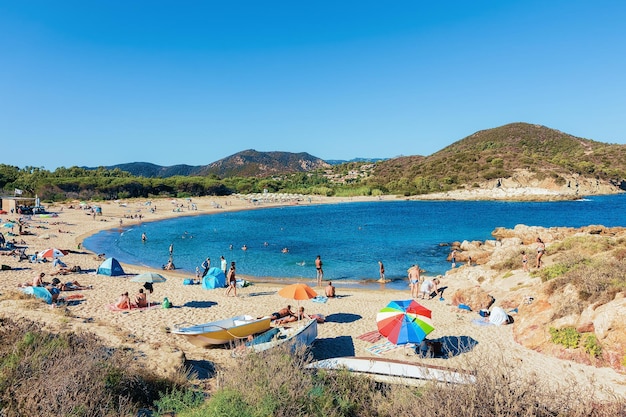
(320, 271)
(381, 270)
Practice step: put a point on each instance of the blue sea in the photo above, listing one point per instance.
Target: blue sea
(350, 237)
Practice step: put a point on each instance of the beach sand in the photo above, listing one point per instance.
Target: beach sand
(146, 332)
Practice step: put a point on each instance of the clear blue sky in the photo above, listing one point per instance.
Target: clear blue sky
(191, 82)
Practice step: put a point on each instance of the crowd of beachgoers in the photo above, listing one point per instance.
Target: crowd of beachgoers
(97, 303)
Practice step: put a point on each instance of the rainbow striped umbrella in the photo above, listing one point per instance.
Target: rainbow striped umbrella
(404, 321)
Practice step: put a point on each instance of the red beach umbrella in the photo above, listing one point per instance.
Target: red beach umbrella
(52, 253)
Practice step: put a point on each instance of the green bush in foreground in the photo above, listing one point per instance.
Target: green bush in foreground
(567, 336)
(44, 374)
(277, 384)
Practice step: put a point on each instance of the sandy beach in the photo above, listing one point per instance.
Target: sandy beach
(349, 316)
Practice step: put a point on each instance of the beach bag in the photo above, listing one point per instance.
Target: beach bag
(188, 281)
(166, 303)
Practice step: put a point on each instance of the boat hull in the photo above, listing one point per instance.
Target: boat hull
(223, 331)
(296, 336)
(393, 371)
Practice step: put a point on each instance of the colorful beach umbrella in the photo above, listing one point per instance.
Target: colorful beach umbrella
(404, 321)
(297, 292)
(52, 253)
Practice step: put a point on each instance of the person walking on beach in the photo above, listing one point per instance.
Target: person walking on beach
(381, 270)
(541, 248)
(206, 265)
(232, 280)
(453, 258)
(320, 271)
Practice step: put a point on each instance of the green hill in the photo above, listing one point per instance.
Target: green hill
(501, 153)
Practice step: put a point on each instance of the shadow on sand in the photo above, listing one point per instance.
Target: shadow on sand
(452, 346)
(203, 369)
(332, 347)
(343, 318)
(256, 294)
(200, 304)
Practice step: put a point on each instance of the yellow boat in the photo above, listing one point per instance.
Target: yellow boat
(222, 331)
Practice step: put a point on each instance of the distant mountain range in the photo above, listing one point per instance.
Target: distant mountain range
(248, 163)
(530, 154)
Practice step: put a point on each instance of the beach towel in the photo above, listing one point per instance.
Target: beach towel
(481, 322)
(319, 299)
(382, 348)
(113, 307)
(372, 337)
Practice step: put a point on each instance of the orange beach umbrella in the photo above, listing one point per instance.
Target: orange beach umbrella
(297, 292)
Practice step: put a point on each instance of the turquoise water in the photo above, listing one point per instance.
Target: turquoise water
(350, 237)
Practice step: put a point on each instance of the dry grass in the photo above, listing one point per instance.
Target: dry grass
(44, 374)
(275, 384)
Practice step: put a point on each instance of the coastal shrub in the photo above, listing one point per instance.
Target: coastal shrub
(178, 400)
(566, 336)
(620, 254)
(596, 281)
(583, 245)
(592, 346)
(275, 384)
(74, 374)
(550, 272)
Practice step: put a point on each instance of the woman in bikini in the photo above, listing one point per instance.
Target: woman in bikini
(541, 248)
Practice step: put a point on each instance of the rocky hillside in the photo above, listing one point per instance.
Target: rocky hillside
(572, 307)
(514, 155)
(249, 163)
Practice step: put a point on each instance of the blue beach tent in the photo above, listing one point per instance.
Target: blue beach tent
(215, 278)
(110, 267)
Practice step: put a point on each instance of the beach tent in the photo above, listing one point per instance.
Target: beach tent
(39, 292)
(215, 278)
(110, 267)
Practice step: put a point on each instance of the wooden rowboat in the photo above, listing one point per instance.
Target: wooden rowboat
(222, 331)
(394, 371)
(299, 334)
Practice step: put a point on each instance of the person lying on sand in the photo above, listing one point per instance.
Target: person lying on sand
(283, 312)
(293, 317)
(70, 285)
